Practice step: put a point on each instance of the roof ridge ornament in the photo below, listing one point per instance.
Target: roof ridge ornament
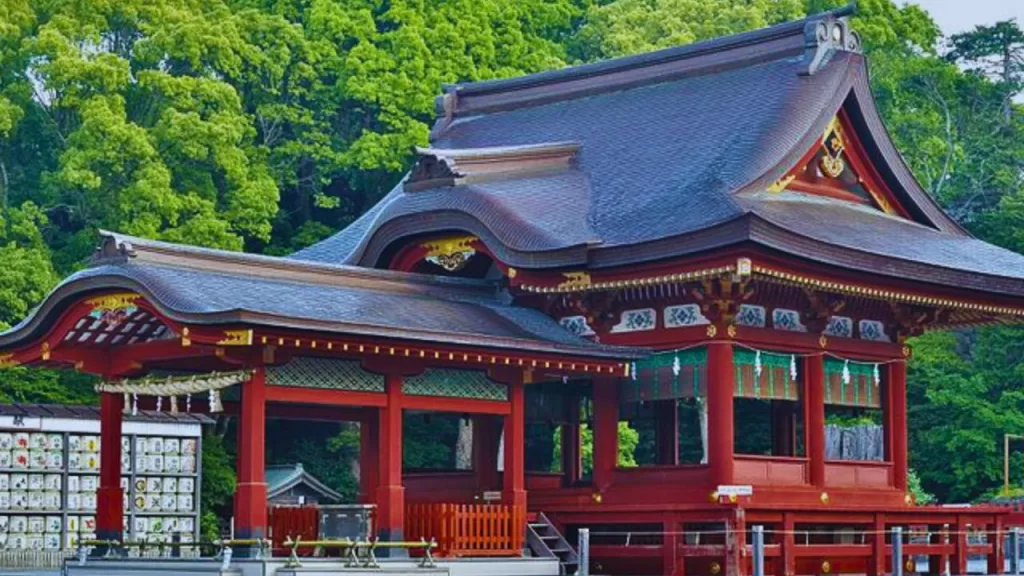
(825, 37)
(112, 250)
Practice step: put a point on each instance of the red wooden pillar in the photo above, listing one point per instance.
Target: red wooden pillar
(958, 564)
(721, 385)
(814, 394)
(391, 493)
(251, 490)
(994, 535)
(787, 558)
(877, 564)
(486, 440)
(513, 482)
(606, 430)
(666, 418)
(572, 463)
(671, 563)
(898, 396)
(109, 500)
(369, 465)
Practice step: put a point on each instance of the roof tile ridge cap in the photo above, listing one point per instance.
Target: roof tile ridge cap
(809, 199)
(447, 103)
(140, 247)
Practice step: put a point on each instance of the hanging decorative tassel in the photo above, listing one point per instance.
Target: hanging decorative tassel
(216, 406)
(174, 404)
(632, 370)
(135, 404)
(188, 402)
(878, 378)
(846, 371)
(127, 404)
(565, 379)
(159, 403)
(211, 400)
(792, 366)
(757, 364)
(676, 367)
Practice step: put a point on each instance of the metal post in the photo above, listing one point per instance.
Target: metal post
(897, 551)
(1015, 551)
(584, 553)
(758, 550)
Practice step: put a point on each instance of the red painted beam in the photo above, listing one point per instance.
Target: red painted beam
(320, 396)
(833, 551)
(605, 551)
(457, 405)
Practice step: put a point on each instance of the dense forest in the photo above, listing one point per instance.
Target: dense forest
(265, 125)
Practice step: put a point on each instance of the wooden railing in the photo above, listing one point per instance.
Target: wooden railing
(468, 529)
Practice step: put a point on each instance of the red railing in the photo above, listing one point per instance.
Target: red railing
(468, 529)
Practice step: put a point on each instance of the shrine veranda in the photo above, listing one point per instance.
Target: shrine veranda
(655, 239)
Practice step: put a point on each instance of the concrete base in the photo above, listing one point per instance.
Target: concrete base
(313, 566)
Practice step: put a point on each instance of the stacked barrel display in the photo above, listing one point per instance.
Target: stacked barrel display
(48, 484)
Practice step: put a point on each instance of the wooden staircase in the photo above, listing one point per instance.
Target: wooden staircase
(545, 541)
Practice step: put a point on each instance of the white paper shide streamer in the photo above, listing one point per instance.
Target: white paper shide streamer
(172, 387)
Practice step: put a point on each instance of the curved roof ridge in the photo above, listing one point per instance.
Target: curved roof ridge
(787, 38)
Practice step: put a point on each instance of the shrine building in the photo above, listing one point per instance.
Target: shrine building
(717, 244)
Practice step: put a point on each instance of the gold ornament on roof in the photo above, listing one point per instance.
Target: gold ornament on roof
(112, 302)
(236, 338)
(450, 253)
(832, 147)
(7, 361)
(575, 281)
(780, 184)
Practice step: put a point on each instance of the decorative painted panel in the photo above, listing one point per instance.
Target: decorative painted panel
(577, 325)
(852, 384)
(667, 376)
(839, 326)
(788, 320)
(636, 320)
(751, 315)
(765, 375)
(310, 372)
(454, 384)
(684, 315)
(872, 330)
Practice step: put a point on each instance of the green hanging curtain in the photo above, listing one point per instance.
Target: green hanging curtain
(656, 377)
(860, 391)
(776, 380)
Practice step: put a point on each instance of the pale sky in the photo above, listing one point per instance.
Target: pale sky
(959, 15)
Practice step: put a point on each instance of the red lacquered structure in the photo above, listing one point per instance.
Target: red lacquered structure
(686, 241)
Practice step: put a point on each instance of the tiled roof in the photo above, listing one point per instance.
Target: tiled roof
(93, 413)
(283, 477)
(673, 148)
(200, 286)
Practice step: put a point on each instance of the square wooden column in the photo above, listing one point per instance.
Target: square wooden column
(109, 499)
(369, 465)
(250, 505)
(391, 493)
(898, 398)
(721, 383)
(486, 440)
(666, 419)
(514, 474)
(814, 404)
(572, 463)
(606, 431)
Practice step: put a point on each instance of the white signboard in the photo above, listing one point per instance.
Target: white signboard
(492, 496)
(735, 491)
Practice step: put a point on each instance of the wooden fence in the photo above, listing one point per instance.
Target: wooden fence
(468, 529)
(294, 522)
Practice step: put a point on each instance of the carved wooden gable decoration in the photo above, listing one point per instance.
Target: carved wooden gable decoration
(837, 166)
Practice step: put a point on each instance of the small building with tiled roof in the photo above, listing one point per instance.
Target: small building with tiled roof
(291, 485)
(700, 241)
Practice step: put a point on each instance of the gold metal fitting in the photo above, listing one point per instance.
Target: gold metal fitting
(826, 567)
(716, 568)
(824, 497)
(713, 497)
(596, 497)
